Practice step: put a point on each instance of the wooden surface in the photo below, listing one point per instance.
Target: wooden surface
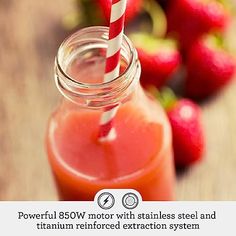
(30, 34)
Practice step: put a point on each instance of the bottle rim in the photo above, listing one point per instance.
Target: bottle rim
(125, 44)
(103, 94)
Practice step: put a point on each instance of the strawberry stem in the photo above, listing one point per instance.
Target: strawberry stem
(166, 96)
(158, 17)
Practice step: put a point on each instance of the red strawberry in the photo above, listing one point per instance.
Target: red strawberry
(185, 119)
(159, 59)
(188, 137)
(132, 9)
(209, 68)
(187, 130)
(190, 19)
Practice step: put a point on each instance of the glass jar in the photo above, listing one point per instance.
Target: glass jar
(140, 157)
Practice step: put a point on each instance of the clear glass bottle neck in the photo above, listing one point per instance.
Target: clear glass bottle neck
(79, 68)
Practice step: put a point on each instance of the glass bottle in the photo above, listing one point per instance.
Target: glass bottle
(140, 157)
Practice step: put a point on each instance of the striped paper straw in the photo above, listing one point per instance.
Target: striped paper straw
(112, 69)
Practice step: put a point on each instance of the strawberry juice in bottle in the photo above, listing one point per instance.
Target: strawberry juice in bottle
(140, 157)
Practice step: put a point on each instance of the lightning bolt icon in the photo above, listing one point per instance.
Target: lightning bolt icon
(105, 201)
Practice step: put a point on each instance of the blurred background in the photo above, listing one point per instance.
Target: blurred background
(31, 32)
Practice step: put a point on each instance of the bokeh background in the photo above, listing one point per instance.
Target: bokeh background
(30, 33)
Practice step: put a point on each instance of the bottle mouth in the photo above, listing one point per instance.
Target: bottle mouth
(87, 47)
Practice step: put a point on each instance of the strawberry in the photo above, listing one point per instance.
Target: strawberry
(159, 58)
(209, 67)
(132, 9)
(190, 19)
(185, 120)
(188, 138)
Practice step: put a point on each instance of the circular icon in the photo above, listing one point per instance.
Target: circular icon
(106, 200)
(130, 200)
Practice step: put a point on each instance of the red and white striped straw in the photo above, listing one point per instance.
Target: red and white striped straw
(112, 69)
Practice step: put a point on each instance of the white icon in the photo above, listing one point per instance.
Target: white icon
(130, 200)
(106, 200)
